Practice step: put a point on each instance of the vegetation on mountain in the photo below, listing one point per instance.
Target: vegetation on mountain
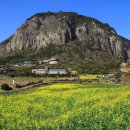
(70, 56)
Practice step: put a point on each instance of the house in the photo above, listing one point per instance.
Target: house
(28, 63)
(22, 63)
(25, 62)
(124, 64)
(51, 61)
(55, 62)
(49, 71)
(125, 67)
(57, 71)
(39, 71)
(3, 70)
(13, 64)
(46, 61)
(40, 62)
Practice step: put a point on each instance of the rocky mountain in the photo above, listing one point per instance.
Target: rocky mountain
(95, 40)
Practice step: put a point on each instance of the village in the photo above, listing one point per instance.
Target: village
(38, 72)
(30, 72)
(26, 63)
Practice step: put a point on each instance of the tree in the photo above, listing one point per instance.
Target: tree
(5, 87)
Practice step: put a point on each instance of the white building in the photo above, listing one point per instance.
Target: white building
(124, 64)
(38, 71)
(53, 62)
(57, 71)
(50, 71)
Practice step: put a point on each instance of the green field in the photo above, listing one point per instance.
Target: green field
(67, 107)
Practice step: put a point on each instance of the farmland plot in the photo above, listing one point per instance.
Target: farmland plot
(67, 107)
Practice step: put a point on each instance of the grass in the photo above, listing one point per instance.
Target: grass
(67, 107)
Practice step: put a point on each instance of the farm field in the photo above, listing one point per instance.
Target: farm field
(67, 107)
(24, 80)
(87, 77)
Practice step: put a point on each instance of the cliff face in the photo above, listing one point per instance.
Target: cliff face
(64, 28)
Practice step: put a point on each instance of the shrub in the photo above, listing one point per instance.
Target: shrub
(118, 74)
(5, 87)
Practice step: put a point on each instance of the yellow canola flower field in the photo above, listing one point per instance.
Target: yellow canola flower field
(88, 77)
(67, 107)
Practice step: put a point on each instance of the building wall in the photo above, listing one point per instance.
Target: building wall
(53, 62)
(38, 71)
(57, 71)
(50, 71)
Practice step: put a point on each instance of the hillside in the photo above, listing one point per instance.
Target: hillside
(77, 41)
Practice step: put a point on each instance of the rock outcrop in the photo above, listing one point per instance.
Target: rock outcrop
(63, 28)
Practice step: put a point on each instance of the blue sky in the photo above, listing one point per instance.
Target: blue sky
(114, 12)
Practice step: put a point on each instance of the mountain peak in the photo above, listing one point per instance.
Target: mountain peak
(62, 28)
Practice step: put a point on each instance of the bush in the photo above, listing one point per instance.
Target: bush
(5, 87)
(13, 74)
(118, 74)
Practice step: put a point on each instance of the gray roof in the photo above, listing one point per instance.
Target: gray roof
(57, 71)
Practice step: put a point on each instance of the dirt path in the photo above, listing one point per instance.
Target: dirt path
(23, 88)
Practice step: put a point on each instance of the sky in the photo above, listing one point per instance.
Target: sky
(13, 13)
